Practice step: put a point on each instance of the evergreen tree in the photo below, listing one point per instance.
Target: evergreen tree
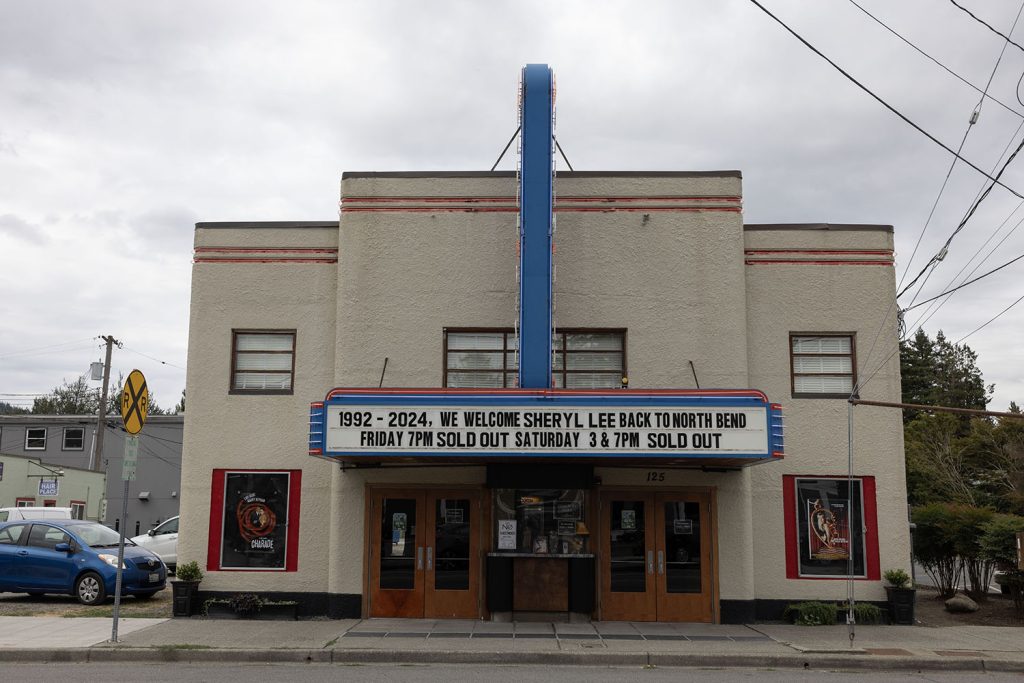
(70, 398)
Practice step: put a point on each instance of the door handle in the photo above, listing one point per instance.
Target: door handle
(650, 562)
(661, 561)
(22, 553)
(419, 558)
(430, 558)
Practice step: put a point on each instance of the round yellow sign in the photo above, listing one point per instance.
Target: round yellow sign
(134, 402)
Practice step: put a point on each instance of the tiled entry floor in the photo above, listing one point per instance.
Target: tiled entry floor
(609, 630)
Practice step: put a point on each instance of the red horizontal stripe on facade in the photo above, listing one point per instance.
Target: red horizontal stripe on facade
(512, 209)
(264, 260)
(802, 262)
(269, 250)
(838, 252)
(512, 199)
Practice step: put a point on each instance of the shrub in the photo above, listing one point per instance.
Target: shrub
(999, 540)
(189, 571)
(246, 603)
(897, 578)
(968, 527)
(864, 612)
(934, 546)
(810, 613)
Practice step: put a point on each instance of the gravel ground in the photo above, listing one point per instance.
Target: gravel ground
(21, 605)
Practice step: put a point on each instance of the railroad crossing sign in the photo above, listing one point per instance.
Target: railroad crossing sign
(134, 402)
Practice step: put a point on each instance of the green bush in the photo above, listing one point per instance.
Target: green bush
(897, 578)
(810, 613)
(189, 571)
(999, 540)
(934, 546)
(968, 527)
(865, 613)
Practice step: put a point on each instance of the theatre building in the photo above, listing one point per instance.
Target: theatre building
(423, 410)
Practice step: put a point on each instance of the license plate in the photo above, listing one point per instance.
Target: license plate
(154, 577)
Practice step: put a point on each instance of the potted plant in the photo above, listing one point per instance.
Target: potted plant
(901, 597)
(185, 588)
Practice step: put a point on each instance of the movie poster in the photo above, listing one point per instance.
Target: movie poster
(830, 525)
(255, 520)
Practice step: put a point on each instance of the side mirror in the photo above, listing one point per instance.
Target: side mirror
(151, 532)
(62, 547)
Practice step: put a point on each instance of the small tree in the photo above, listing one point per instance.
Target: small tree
(967, 528)
(934, 546)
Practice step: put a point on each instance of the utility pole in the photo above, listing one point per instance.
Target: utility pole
(101, 419)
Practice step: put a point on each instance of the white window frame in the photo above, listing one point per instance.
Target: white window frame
(793, 355)
(64, 441)
(77, 509)
(28, 431)
(236, 336)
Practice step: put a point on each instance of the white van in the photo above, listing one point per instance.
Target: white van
(12, 514)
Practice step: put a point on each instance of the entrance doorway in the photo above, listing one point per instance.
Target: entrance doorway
(424, 554)
(656, 556)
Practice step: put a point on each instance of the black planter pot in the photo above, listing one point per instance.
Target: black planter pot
(185, 601)
(901, 605)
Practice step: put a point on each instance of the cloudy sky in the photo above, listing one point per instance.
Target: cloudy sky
(122, 123)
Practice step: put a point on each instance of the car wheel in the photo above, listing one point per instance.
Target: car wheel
(145, 596)
(90, 589)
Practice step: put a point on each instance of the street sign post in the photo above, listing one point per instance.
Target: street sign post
(134, 409)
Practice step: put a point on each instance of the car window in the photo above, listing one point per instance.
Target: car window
(44, 536)
(10, 535)
(97, 535)
(168, 527)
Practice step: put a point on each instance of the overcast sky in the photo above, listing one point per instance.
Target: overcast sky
(122, 123)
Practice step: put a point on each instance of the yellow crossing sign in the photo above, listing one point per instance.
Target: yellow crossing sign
(134, 402)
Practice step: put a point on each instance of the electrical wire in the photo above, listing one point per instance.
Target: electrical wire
(963, 80)
(42, 348)
(162, 362)
(990, 320)
(969, 282)
(885, 104)
(987, 25)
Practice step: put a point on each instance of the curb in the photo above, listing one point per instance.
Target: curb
(639, 659)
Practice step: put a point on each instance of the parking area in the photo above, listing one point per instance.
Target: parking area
(22, 605)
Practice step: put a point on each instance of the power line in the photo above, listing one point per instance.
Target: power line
(990, 320)
(884, 103)
(937, 62)
(987, 25)
(162, 362)
(969, 282)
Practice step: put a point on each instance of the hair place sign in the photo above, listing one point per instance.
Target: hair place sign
(510, 424)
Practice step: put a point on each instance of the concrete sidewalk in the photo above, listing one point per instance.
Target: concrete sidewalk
(971, 648)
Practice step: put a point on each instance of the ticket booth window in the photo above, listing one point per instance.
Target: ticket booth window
(541, 521)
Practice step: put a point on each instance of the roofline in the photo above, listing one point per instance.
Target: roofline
(84, 419)
(215, 225)
(40, 461)
(560, 174)
(838, 227)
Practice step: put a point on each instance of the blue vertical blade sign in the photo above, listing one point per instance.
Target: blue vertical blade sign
(536, 192)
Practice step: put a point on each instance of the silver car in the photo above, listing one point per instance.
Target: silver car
(162, 540)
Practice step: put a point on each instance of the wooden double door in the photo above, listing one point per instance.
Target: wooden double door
(656, 555)
(424, 554)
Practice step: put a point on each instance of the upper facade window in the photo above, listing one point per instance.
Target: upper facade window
(74, 439)
(262, 361)
(822, 365)
(583, 359)
(35, 439)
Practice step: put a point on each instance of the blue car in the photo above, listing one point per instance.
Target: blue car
(74, 557)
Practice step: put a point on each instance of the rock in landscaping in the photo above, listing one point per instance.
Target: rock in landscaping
(961, 604)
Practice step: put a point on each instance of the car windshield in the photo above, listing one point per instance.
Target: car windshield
(96, 535)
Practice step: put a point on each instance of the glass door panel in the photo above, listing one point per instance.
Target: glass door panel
(682, 547)
(398, 547)
(627, 547)
(451, 544)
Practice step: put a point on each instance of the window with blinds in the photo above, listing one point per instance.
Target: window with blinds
(822, 365)
(262, 361)
(583, 359)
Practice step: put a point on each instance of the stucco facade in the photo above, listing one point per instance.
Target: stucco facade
(704, 302)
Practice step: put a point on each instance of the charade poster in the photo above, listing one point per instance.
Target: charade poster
(255, 520)
(830, 521)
